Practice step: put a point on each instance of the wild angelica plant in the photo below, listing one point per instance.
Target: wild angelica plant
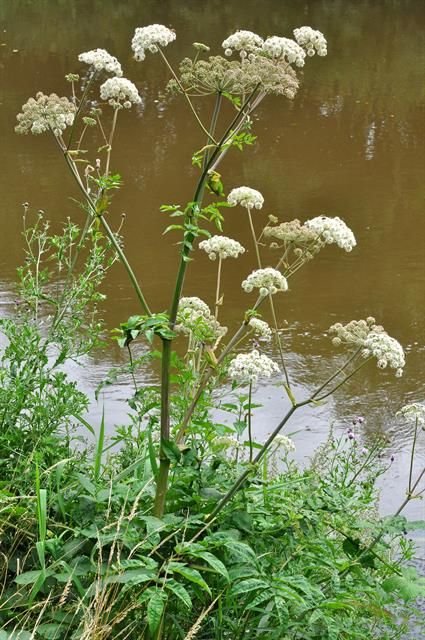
(187, 518)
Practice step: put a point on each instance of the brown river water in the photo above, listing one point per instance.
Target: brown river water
(350, 144)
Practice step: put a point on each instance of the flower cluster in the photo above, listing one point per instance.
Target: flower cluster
(261, 329)
(284, 442)
(44, 113)
(243, 41)
(247, 368)
(414, 411)
(150, 39)
(194, 317)
(216, 74)
(292, 231)
(227, 441)
(374, 341)
(101, 60)
(246, 197)
(311, 40)
(269, 281)
(332, 231)
(222, 247)
(354, 332)
(387, 350)
(119, 92)
(286, 49)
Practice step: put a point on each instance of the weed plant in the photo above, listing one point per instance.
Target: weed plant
(188, 528)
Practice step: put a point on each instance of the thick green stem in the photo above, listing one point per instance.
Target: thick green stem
(164, 463)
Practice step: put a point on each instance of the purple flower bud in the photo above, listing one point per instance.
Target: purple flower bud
(392, 458)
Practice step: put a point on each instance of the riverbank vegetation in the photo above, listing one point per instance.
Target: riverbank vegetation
(183, 526)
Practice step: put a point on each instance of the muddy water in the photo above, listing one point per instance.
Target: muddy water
(350, 145)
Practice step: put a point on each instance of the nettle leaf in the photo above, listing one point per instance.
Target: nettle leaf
(213, 562)
(16, 634)
(408, 589)
(49, 630)
(171, 450)
(252, 584)
(192, 575)
(179, 590)
(155, 609)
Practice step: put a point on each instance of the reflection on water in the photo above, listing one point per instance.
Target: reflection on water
(349, 145)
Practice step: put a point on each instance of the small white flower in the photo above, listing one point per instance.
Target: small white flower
(245, 42)
(284, 48)
(227, 441)
(332, 231)
(45, 113)
(311, 40)
(101, 60)
(119, 92)
(261, 329)
(268, 281)
(149, 39)
(414, 411)
(194, 317)
(387, 350)
(284, 442)
(222, 247)
(247, 368)
(246, 197)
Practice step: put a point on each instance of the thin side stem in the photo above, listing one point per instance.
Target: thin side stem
(109, 232)
(217, 291)
(111, 137)
(412, 454)
(192, 108)
(250, 422)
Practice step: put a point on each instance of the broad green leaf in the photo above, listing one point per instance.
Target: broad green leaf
(252, 584)
(192, 575)
(15, 635)
(179, 590)
(213, 562)
(155, 610)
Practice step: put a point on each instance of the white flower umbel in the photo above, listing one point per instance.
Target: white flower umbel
(414, 412)
(374, 342)
(354, 332)
(387, 351)
(311, 40)
(246, 197)
(286, 49)
(269, 281)
(194, 317)
(150, 39)
(243, 41)
(261, 329)
(247, 368)
(45, 113)
(332, 231)
(221, 247)
(282, 441)
(119, 92)
(101, 60)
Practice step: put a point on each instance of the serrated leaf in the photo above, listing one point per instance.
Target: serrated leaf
(213, 562)
(252, 584)
(179, 590)
(155, 610)
(192, 575)
(49, 630)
